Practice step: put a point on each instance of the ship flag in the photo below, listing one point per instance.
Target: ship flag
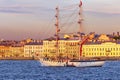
(80, 3)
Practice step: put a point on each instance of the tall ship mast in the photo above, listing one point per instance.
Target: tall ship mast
(57, 30)
(80, 20)
(80, 27)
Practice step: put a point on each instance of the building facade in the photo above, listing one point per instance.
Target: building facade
(32, 49)
(107, 49)
(17, 51)
(5, 51)
(69, 48)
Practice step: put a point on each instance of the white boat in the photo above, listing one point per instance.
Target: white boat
(90, 63)
(68, 62)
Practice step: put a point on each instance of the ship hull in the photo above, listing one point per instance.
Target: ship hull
(73, 63)
(86, 63)
(51, 63)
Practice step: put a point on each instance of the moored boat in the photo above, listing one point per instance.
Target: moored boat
(73, 63)
(69, 62)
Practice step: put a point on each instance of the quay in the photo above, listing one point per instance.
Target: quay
(95, 58)
(84, 58)
(17, 58)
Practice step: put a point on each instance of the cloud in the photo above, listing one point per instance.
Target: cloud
(13, 11)
(114, 12)
(23, 9)
(102, 6)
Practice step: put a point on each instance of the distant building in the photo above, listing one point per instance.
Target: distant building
(117, 34)
(103, 37)
(29, 40)
(23, 42)
(107, 49)
(33, 48)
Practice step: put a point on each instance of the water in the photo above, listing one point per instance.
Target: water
(31, 70)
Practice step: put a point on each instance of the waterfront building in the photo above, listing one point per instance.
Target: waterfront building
(4, 51)
(33, 48)
(72, 49)
(17, 51)
(107, 49)
(69, 48)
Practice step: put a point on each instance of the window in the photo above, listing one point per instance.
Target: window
(86, 49)
(95, 49)
(89, 53)
(116, 49)
(111, 53)
(114, 54)
(89, 49)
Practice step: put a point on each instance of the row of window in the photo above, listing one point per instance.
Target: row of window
(33, 47)
(62, 51)
(101, 49)
(74, 48)
(4, 50)
(101, 54)
(67, 43)
(30, 51)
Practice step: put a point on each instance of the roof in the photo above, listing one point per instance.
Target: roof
(118, 42)
(98, 42)
(35, 43)
(5, 45)
(92, 43)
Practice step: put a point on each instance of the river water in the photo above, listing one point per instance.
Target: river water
(32, 70)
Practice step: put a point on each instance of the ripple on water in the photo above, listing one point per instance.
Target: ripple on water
(31, 70)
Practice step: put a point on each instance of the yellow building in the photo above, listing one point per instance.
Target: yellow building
(107, 49)
(8, 51)
(4, 51)
(17, 51)
(33, 48)
(65, 47)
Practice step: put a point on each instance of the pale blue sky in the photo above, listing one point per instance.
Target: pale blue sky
(21, 19)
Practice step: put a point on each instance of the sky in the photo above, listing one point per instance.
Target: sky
(22, 19)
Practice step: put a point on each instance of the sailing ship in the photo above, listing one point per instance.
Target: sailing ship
(70, 62)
